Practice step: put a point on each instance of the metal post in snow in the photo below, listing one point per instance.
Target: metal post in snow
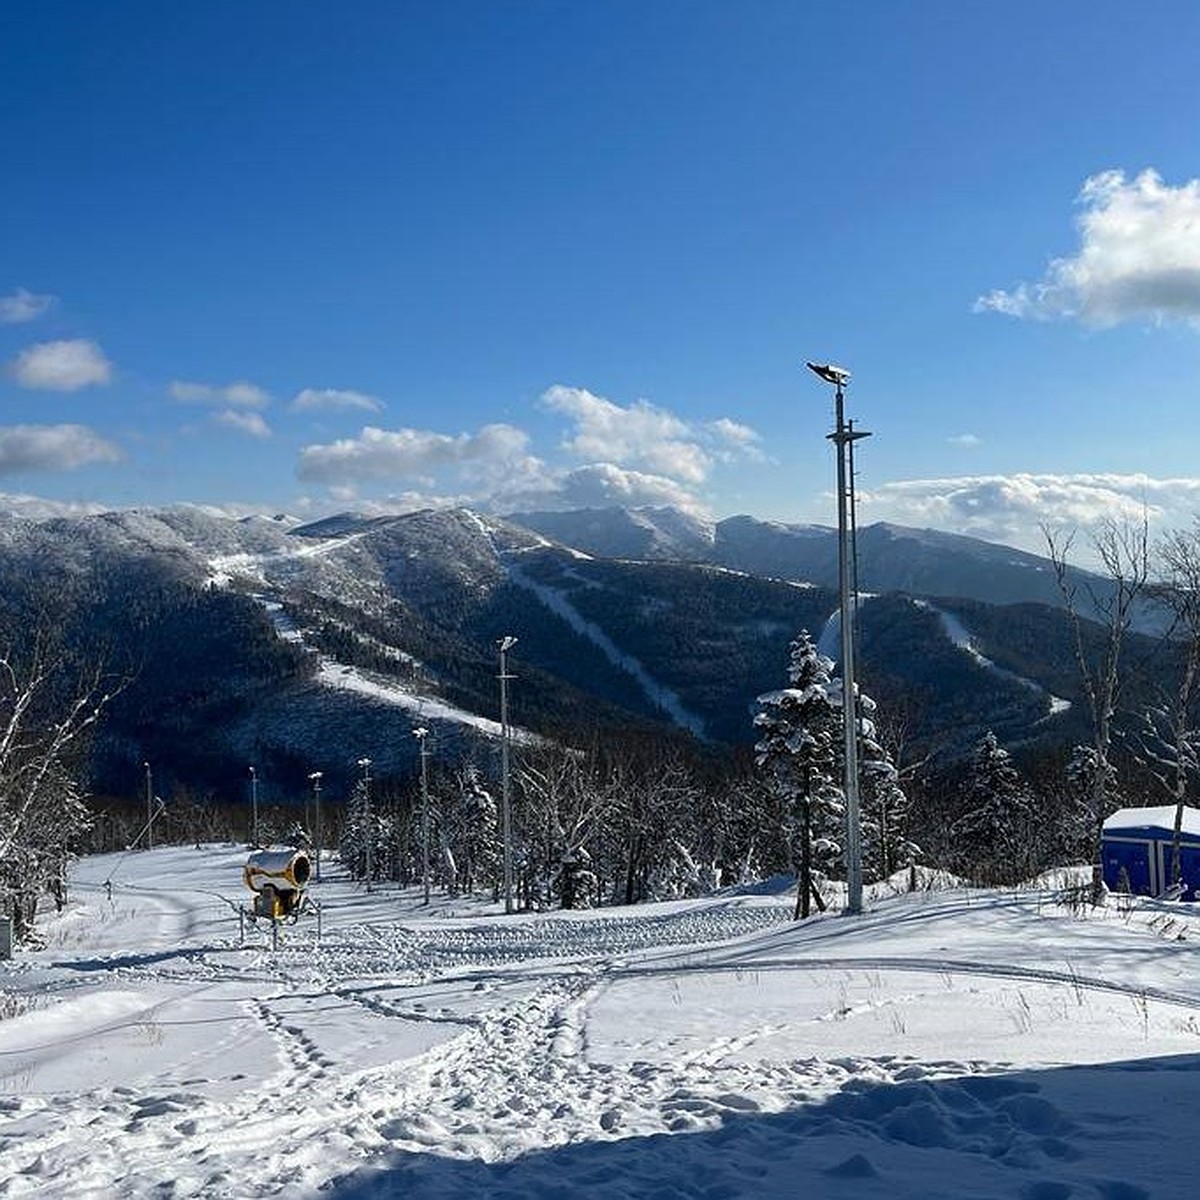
(505, 644)
(254, 807)
(421, 734)
(149, 807)
(319, 832)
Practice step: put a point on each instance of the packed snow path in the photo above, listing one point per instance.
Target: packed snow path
(943, 1044)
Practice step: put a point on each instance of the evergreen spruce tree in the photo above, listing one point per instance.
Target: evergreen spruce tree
(479, 840)
(798, 730)
(1077, 831)
(883, 804)
(994, 838)
(364, 826)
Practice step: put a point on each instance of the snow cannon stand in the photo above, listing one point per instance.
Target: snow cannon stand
(278, 879)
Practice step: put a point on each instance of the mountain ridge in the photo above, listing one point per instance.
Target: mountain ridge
(303, 647)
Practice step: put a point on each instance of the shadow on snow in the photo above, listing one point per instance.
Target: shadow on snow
(1121, 1131)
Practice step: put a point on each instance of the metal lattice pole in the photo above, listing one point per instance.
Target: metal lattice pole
(843, 437)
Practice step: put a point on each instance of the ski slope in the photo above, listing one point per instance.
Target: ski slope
(946, 1043)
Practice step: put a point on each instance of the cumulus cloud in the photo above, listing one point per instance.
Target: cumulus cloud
(250, 423)
(409, 454)
(966, 440)
(1138, 258)
(64, 366)
(642, 455)
(603, 484)
(1012, 508)
(231, 395)
(311, 399)
(52, 448)
(23, 306)
(734, 433)
(641, 434)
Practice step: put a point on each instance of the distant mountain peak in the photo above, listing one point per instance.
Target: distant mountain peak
(646, 532)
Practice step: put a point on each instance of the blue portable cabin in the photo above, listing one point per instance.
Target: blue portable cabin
(1136, 850)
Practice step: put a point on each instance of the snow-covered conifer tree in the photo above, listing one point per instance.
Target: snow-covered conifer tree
(798, 729)
(993, 838)
(883, 804)
(1078, 823)
(364, 827)
(469, 831)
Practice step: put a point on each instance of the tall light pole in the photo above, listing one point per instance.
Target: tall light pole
(365, 766)
(149, 807)
(315, 776)
(843, 437)
(254, 806)
(505, 644)
(421, 734)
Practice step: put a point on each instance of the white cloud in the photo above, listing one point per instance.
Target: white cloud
(52, 448)
(602, 484)
(23, 306)
(251, 423)
(644, 455)
(231, 395)
(734, 432)
(1139, 257)
(410, 454)
(642, 434)
(1012, 508)
(64, 366)
(311, 399)
(967, 440)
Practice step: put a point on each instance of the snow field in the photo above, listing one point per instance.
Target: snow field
(957, 1044)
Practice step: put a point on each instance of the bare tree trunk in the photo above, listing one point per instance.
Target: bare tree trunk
(1179, 591)
(804, 884)
(1123, 550)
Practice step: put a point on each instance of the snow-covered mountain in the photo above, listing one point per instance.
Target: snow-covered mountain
(307, 646)
(923, 562)
(638, 533)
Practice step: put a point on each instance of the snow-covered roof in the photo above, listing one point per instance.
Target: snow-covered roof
(1160, 816)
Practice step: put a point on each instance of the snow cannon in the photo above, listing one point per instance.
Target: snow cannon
(277, 878)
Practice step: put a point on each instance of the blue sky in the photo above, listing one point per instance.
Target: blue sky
(373, 255)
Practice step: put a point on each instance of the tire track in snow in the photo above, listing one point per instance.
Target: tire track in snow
(933, 966)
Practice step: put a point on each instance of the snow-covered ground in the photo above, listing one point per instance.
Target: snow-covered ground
(944, 1044)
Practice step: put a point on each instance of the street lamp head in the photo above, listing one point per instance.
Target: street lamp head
(506, 643)
(316, 776)
(421, 733)
(363, 762)
(838, 376)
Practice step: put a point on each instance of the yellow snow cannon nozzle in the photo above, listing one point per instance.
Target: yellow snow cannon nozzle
(284, 870)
